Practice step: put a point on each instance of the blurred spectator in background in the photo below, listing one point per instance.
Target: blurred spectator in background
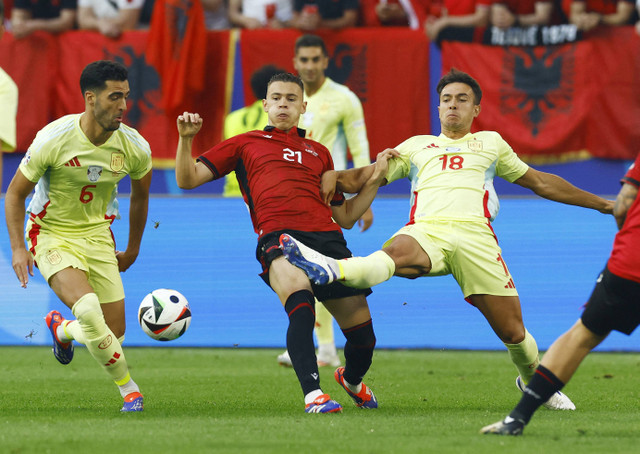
(638, 11)
(216, 14)
(54, 16)
(523, 13)
(109, 17)
(394, 13)
(9, 103)
(311, 15)
(588, 14)
(462, 20)
(248, 119)
(260, 13)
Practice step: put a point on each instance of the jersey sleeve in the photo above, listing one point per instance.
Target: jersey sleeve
(356, 131)
(142, 153)
(509, 165)
(401, 166)
(38, 158)
(222, 158)
(633, 174)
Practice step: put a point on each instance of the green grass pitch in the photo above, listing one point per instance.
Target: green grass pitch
(241, 401)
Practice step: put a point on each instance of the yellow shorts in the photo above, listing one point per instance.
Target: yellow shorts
(467, 250)
(95, 256)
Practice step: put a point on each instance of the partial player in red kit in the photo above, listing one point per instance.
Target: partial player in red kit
(614, 305)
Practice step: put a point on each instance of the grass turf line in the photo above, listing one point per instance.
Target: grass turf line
(241, 401)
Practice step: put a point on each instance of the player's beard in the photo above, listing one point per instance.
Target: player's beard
(105, 119)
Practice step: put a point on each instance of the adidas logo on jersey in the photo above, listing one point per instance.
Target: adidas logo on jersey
(433, 145)
(73, 163)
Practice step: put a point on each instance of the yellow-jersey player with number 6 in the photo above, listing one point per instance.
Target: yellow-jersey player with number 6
(75, 164)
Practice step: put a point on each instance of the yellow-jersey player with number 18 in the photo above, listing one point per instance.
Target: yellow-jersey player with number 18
(449, 231)
(75, 164)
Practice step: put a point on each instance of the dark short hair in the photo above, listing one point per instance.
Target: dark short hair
(95, 75)
(455, 75)
(2, 11)
(287, 77)
(260, 79)
(311, 41)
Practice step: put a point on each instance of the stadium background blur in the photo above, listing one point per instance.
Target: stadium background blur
(202, 244)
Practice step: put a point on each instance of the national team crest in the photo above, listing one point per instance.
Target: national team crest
(93, 173)
(117, 161)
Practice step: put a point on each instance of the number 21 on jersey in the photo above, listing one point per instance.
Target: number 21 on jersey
(293, 156)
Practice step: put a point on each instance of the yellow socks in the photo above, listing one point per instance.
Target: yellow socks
(525, 356)
(92, 330)
(324, 325)
(364, 272)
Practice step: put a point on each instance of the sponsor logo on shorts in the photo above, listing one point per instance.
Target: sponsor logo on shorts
(53, 257)
(106, 342)
(93, 173)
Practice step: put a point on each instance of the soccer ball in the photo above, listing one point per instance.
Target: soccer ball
(164, 314)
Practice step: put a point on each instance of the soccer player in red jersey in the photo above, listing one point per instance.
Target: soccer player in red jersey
(613, 305)
(280, 174)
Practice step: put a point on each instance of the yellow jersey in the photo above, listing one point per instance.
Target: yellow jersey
(335, 118)
(453, 179)
(8, 112)
(77, 182)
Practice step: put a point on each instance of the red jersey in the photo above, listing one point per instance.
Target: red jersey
(279, 175)
(596, 6)
(464, 7)
(625, 259)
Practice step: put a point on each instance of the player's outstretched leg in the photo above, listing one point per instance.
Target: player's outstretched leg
(557, 401)
(508, 426)
(63, 351)
(363, 398)
(320, 269)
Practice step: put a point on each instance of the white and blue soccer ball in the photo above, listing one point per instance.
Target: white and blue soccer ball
(164, 314)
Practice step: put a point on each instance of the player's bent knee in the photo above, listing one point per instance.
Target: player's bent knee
(90, 317)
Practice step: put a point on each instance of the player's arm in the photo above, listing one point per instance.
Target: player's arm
(138, 209)
(14, 210)
(625, 198)
(189, 174)
(352, 209)
(558, 189)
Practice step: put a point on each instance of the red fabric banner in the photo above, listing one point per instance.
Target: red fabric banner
(176, 48)
(558, 102)
(58, 63)
(388, 69)
(33, 64)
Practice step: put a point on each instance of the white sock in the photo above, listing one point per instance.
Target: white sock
(327, 350)
(61, 334)
(128, 388)
(353, 388)
(313, 395)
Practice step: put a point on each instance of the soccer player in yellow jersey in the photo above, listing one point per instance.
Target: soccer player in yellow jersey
(449, 231)
(335, 118)
(9, 110)
(248, 119)
(75, 164)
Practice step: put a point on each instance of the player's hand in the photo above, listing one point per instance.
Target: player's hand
(366, 220)
(189, 124)
(328, 186)
(22, 262)
(381, 166)
(125, 259)
(608, 208)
